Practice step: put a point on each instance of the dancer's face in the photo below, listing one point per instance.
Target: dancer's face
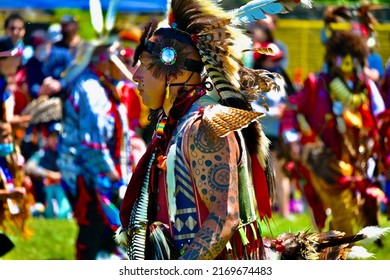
(151, 89)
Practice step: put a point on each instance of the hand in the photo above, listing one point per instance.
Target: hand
(53, 175)
(52, 178)
(50, 86)
(20, 121)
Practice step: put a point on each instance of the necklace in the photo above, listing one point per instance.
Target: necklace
(340, 92)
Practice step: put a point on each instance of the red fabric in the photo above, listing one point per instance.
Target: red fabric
(118, 135)
(261, 188)
(21, 94)
(131, 100)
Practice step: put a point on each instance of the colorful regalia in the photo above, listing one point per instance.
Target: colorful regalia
(162, 212)
(334, 120)
(14, 214)
(95, 139)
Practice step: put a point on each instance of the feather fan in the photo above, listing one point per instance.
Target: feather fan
(330, 245)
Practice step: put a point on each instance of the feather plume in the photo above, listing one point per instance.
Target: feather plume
(359, 252)
(171, 182)
(121, 237)
(265, 50)
(257, 9)
(158, 242)
(96, 11)
(373, 233)
(161, 243)
(222, 119)
(111, 14)
(220, 42)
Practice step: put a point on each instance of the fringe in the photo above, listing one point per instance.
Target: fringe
(246, 244)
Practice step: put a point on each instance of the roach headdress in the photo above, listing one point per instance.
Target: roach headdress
(220, 41)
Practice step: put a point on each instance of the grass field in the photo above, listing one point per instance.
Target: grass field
(54, 239)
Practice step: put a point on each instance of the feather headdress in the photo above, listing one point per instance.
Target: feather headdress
(220, 41)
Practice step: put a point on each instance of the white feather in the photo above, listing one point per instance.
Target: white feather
(359, 252)
(373, 233)
(121, 66)
(171, 182)
(168, 8)
(120, 237)
(96, 11)
(111, 14)
(307, 3)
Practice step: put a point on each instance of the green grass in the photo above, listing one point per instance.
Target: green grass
(55, 239)
(52, 239)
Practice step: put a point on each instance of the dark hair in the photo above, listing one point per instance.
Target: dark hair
(265, 28)
(11, 18)
(342, 43)
(346, 42)
(175, 34)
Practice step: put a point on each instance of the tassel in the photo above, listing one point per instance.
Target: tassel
(244, 238)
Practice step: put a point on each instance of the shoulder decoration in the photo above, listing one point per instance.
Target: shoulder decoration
(222, 120)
